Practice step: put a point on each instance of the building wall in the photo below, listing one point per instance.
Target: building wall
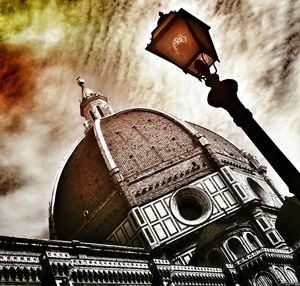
(44, 262)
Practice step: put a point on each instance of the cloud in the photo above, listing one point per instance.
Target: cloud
(46, 45)
(11, 179)
(16, 77)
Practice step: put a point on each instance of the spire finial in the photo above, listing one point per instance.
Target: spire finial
(80, 81)
(85, 92)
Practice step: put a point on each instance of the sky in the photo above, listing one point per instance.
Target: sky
(45, 45)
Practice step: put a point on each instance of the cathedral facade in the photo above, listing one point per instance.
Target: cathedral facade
(145, 198)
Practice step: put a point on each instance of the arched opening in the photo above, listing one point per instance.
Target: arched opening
(280, 275)
(291, 275)
(92, 115)
(252, 241)
(260, 191)
(236, 247)
(100, 111)
(265, 279)
(216, 258)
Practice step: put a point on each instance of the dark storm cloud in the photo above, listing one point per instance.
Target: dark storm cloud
(12, 124)
(11, 179)
(16, 77)
(291, 43)
(227, 7)
(11, 6)
(279, 75)
(270, 40)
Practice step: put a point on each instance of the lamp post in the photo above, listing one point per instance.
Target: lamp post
(184, 40)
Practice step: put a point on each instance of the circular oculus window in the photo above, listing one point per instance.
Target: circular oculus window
(191, 205)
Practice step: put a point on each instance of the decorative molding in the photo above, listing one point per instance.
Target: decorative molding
(155, 224)
(110, 163)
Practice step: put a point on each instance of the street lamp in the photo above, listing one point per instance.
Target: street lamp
(184, 40)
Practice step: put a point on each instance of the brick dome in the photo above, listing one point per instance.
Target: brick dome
(126, 159)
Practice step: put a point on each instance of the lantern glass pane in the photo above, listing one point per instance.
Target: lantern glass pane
(204, 39)
(202, 57)
(164, 22)
(176, 44)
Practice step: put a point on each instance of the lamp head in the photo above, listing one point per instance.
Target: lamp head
(182, 39)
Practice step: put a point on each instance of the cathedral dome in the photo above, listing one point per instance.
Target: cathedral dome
(126, 159)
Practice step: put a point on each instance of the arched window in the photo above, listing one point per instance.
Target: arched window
(92, 115)
(264, 279)
(100, 111)
(216, 258)
(260, 192)
(236, 247)
(291, 275)
(279, 275)
(252, 241)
